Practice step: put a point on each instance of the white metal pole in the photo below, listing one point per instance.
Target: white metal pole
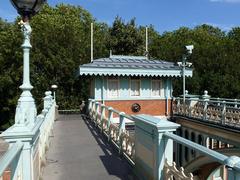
(91, 42)
(183, 82)
(146, 41)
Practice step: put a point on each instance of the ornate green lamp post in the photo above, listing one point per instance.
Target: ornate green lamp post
(26, 129)
(26, 109)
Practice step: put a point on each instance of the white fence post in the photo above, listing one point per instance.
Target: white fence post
(152, 147)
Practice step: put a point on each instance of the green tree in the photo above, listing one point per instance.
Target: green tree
(10, 71)
(61, 42)
(125, 38)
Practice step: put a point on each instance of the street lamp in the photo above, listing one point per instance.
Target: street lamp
(185, 64)
(27, 8)
(26, 108)
(54, 87)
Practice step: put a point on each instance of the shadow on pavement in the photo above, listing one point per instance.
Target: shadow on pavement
(112, 162)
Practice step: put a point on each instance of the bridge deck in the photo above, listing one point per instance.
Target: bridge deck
(77, 151)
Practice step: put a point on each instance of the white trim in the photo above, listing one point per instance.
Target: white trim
(135, 98)
(134, 72)
(128, 57)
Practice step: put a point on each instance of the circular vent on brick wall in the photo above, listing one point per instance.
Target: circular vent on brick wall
(136, 107)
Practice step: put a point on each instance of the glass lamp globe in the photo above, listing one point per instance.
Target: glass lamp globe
(28, 8)
(54, 86)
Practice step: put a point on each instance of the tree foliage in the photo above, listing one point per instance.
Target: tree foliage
(61, 42)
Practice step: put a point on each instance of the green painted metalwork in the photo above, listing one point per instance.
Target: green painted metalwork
(221, 112)
(115, 132)
(152, 148)
(208, 152)
(29, 143)
(9, 156)
(152, 144)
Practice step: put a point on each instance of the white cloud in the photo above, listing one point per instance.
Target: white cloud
(226, 1)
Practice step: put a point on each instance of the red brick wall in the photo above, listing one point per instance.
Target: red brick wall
(7, 175)
(151, 107)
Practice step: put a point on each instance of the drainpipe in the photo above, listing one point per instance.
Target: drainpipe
(103, 90)
(166, 96)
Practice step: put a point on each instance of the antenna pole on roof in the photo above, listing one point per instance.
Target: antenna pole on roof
(91, 42)
(110, 53)
(146, 53)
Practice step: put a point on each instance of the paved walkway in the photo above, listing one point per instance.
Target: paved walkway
(78, 152)
(3, 147)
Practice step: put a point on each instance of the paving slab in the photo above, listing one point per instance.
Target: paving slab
(78, 151)
(3, 147)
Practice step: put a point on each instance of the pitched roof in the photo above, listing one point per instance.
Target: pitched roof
(131, 66)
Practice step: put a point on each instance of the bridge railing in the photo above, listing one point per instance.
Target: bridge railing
(226, 113)
(151, 149)
(28, 144)
(232, 163)
(155, 137)
(112, 124)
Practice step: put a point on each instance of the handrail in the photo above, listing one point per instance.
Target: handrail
(113, 110)
(188, 96)
(116, 133)
(231, 162)
(225, 99)
(212, 100)
(222, 113)
(126, 144)
(208, 152)
(9, 156)
(128, 117)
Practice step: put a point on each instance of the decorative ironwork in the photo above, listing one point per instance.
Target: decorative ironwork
(128, 145)
(113, 132)
(216, 112)
(171, 172)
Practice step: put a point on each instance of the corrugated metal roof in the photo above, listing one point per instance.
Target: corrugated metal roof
(124, 63)
(131, 62)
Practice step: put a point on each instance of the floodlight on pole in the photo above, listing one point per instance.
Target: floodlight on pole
(185, 64)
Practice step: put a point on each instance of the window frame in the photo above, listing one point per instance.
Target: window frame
(161, 90)
(130, 88)
(108, 90)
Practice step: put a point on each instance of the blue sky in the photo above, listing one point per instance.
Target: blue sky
(165, 15)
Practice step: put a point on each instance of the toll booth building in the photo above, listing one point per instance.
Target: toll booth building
(133, 84)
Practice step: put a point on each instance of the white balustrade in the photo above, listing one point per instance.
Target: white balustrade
(115, 131)
(117, 134)
(28, 144)
(223, 112)
(171, 172)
